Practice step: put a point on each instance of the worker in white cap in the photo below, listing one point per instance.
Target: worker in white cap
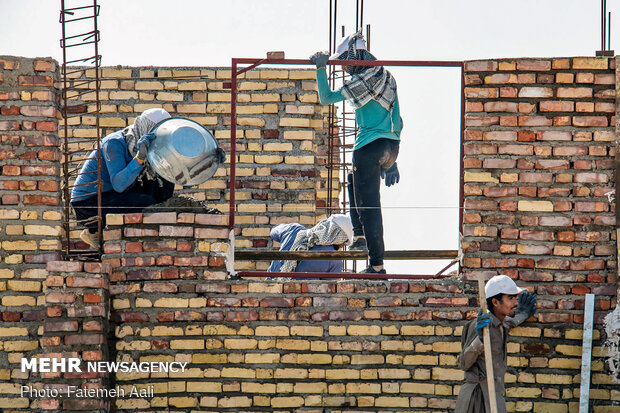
(129, 182)
(508, 307)
(372, 92)
(328, 235)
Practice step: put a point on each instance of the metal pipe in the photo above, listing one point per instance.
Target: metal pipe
(462, 161)
(65, 166)
(99, 157)
(233, 143)
(343, 275)
(609, 31)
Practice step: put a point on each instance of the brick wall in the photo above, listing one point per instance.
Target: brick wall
(281, 145)
(30, 211)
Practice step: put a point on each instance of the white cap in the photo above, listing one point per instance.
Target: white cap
(501, 284)
(344, 222)
(360, 44)
(155, 115)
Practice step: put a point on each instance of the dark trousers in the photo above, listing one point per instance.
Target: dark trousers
(142, 194)
(368, 162)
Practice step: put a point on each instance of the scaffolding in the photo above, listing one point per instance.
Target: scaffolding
(80, 45)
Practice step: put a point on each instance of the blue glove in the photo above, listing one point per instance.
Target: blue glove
(527, 304)
(320, 59)
(221, 155)
(143, 146)
(482, 321)
(391, 175)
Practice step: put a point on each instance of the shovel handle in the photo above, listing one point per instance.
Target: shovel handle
(488, 357)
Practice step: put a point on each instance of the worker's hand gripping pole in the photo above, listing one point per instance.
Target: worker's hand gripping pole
(488, 357)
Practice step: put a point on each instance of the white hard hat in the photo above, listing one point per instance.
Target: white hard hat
(360, 44)
(501, 284)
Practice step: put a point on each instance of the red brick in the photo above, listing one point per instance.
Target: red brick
(508, 121)
(584, 77)
(280, 302)
(499, 163)
(525, 107)
(570, 151)
(480, 149)
(38, 111)
(556, 106)
(500, 136)
(531, 64)
(47, 126)
(535, 92)
(552, 164)
(574, 92)
(9, 125)
(585, 121)
(50, 326)
(526, 78)
(501, 107)
(57, 297)
(534, 121)
(484, 205)
(481, 121)
(515, 150)
(481, 66)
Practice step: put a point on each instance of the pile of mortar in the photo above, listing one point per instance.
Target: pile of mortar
(179, 203)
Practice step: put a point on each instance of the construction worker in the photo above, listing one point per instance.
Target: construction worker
(129, 182)
(328, 235)
(372, 92)
(508, 307)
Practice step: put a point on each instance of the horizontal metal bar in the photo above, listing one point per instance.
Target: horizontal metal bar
(416, 63)
(336, 255)
(335, 275)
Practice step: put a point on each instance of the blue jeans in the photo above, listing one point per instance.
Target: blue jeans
(368, 162)
(134, 199)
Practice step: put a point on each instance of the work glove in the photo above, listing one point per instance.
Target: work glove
(527, 304)
(320, 59)
(391, 175)
(482, 321)
(143, 146)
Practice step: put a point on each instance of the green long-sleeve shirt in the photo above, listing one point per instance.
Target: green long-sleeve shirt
(373, 120)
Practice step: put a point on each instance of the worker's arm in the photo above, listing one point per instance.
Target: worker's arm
(122, 175)
(472, 347)
(397, 120)
(326, 95)
(525, 309)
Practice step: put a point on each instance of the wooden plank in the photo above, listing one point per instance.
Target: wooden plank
(338, 255)
(586, 354)
(488, 357)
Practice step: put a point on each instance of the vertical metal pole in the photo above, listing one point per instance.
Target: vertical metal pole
(65, 166)
(357, 14)
(609, 31)
(586, 354)
(604, 29)
(233, 144)
(98, 108)
(362, 15)
(461, 161)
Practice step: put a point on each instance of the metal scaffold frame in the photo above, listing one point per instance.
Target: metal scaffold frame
(76, 40)
(255, 62)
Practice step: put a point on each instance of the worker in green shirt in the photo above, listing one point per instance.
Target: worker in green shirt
(372, 92)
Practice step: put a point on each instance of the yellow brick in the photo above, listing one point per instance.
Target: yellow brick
(302, 74)
(11, 300)
(295, 122)
(308, 97)
(303, 160)
(523, 392)
(525, 332)
(480, 177)
(507, 65)
(386, 401)
(590, 63)
(337, 330)
(24, 285)
(314, 359)
(170, 96)
(543, 407)
(277, 146)
(535, 206)
(342, 374)
(191, 108)
(307, 331)
(13, 331)
(274, 74)
(117, 73)
(20, 345)
(49, 244)
(148, 85)
(182, 401)
(264, 97)
(421, 360)
(299, 135)
(553, 379)
(19, 245)
(289, 344)
(442, 374)
(14, 230)
(133, 345)
(262, 358)
(120, 303)
(6, 273)
(187, 344)
(564, 363)
(14, 402)
(9, 214)
(247, 85)
(247, 121)
(447, 347)
(236, 372)
(417, 388)
(272, 331)
(192, 86)
(568, 350)
(171, 303)
(409, 330)
(247, 387)
(166, 331)
(396, 345)
(238, 344)
(367, 359)
(268, 159)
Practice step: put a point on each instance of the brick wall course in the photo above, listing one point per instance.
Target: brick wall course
(30, 211)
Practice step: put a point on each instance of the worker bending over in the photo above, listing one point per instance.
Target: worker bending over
(328, 235)
(129, 182)
(372, 92)
(508, 307)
